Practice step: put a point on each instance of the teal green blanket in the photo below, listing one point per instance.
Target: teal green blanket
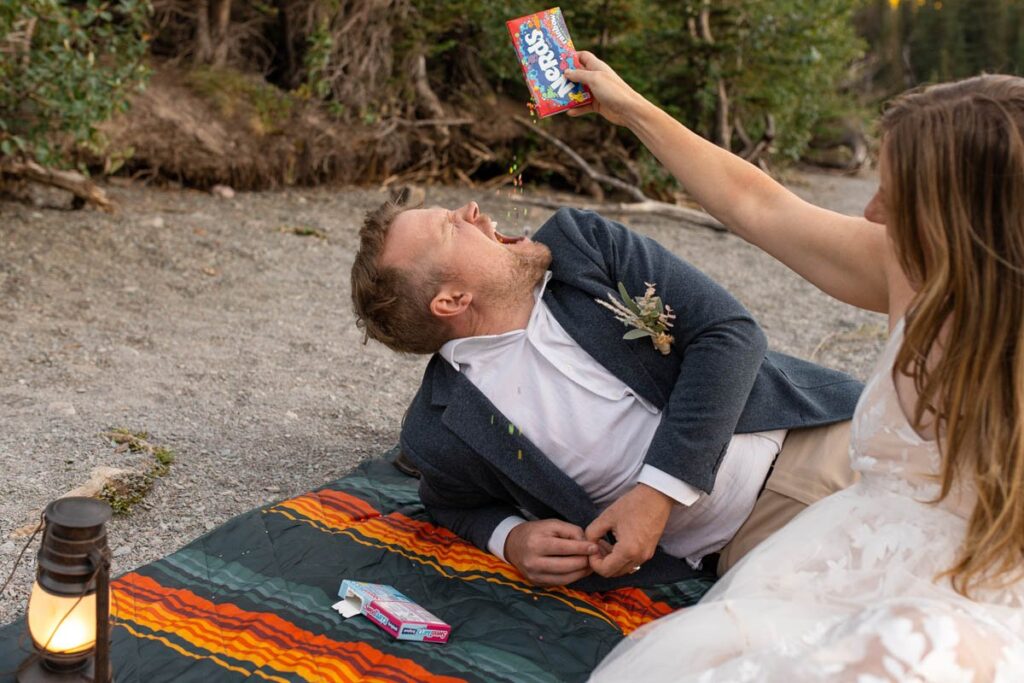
(252, 600)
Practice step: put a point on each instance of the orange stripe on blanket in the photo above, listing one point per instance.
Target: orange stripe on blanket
(262, 639)
(626, 608)
(192, 655)
(357, 507)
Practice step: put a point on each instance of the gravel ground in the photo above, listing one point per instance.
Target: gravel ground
(211, 325)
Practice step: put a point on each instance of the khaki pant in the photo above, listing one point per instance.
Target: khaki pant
(812, 464)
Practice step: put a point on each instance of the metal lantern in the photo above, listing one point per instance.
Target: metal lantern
(69, 609)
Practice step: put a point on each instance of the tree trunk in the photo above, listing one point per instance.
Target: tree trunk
(291, 77)
(428, 100)
(221, 20)
(204, 47)
(723, 126)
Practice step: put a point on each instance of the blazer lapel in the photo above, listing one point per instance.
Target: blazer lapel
(476, 421)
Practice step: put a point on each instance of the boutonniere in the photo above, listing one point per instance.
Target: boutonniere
(647, 314)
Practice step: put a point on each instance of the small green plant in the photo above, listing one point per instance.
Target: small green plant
(126, 492)
(128, 441)
(163, 459)
(319, 48)
(303, 231)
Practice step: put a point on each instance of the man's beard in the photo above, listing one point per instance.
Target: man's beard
(530, 260)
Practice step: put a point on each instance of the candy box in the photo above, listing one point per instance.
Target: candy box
(545, 51)
(391, 611)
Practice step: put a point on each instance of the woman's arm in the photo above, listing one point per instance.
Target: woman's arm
(843, 256)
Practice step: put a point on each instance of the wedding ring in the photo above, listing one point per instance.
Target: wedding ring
(636, 568)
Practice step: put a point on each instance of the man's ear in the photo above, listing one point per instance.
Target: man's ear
(450, 302)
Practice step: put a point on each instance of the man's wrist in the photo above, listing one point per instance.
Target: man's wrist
(655, 497)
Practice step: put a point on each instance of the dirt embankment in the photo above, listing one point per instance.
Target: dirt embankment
(209, 126)
(222, 327)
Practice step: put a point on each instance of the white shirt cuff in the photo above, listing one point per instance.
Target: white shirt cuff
(676, 489)
(496, 544)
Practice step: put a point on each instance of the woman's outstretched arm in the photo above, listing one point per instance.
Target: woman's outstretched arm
(845, 257)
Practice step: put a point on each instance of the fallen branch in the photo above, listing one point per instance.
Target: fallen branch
(73, 182)
(581, 163)
(648, 207)
(435, 122)
(753, 152)
(99, 478)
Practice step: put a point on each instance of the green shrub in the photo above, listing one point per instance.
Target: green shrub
(64, 68)
(780, 57)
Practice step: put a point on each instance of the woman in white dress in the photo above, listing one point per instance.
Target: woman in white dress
(915, 572)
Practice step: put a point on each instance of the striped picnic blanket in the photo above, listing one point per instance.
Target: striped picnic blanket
(251, 600)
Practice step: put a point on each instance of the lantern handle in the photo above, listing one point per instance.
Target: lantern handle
(24, 548)
(100, 558)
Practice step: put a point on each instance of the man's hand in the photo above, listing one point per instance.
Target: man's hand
(613, 98)
(637, 519)
(550, 552)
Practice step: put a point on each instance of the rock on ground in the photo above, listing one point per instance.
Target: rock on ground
(228, 335)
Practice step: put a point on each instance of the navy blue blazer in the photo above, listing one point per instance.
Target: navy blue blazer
(720, 379)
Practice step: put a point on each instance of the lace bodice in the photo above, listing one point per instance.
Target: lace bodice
(852, 589)
(886, 449)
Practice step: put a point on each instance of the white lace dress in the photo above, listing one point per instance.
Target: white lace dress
(847, 590)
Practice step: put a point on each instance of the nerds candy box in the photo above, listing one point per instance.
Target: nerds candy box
(545, 51)
(390, 610)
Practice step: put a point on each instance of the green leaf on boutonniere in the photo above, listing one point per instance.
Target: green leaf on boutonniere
(636, 334)
(648, 314)
(628, 300)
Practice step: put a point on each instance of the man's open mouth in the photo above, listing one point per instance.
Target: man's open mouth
(504, 239)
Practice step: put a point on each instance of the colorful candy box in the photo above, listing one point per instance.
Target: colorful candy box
(545, 51)
(389, 609)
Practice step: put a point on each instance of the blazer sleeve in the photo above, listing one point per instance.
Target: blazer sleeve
(457, 503)
(719, 346)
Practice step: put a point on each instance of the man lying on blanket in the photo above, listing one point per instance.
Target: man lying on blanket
(546, 437)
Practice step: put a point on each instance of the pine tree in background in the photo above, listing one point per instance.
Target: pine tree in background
(1015, 37)
(927, 41)
(985, 39)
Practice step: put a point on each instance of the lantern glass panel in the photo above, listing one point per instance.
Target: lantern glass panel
(77, 633)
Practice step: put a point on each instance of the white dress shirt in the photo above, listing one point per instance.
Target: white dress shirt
(595, 429)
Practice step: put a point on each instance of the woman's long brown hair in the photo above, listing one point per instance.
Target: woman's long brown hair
(955, 174)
